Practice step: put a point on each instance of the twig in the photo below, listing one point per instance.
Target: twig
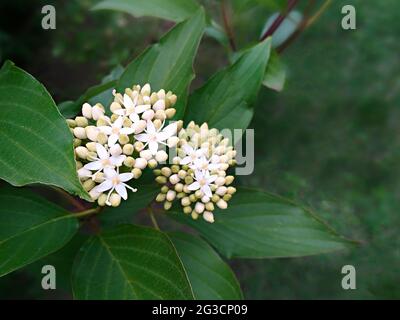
(307, 22)
(86, 213)
(75, 202)
(278, 21)
(153, 218)
(227, 25)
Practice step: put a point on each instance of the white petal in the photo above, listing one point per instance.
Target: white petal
(102, 152)
(121, 190)
(150, 127)
(128, 101)
(153, 146)
(185, 160)
(211, 179)
(118, 123)
(124, 177)
(104, 186)
(106, 129)
(120, 112)
(112, 140)
(110, 173)
(199, 175)
(134, 117)
(207, 190)
(127, 131)
(187, 148)
(142, 108)
(118, 160)
(143, 137)
(96, 165)
(194, 186)
(84, 172)
(171, 129)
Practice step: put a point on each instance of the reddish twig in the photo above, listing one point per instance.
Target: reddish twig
(227, 25)
(278, 21)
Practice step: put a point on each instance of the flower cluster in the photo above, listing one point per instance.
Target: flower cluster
(198, 176)
(112, 150)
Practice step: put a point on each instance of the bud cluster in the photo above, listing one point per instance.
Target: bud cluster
(111, 150)
(198, 176)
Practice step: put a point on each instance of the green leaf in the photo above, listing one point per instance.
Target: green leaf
(211, 278)
(275, 75)
(225, 100)
(126, 211)
(30, 228)
(260, 225)
(36, 144)
(168, 64)
(130, 262)
(175, 10)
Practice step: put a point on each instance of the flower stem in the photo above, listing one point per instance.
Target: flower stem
(153, 218)
(86, 213)
(227, 25)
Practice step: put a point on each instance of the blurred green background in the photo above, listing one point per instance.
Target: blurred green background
(330, 140)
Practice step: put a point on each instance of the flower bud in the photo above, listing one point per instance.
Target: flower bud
(194, 215)
(187, 210)
(148, 115)
(161, 156)
(87, 110)
(81, 152)
(178, 187)
(79, 165)
(99, 177)
(208, 216)
(88, 185)
(102, 122)
(209, 206)
(166, 171)
(157, 123)
(185, 201)
(152, 163)
(102, 138)
(153, 98)
(129, 162)
(172, 99)
(205, 199)
(171, 195)
(167, 205)
(102, 200)
(146, 154)
(71, 123)
(115, 200)
(146, 90)
(77, 142)
(199, 207)
(159, 105)
(164, 189)
(231, 190)
(222, 204)
(221, 191)
(138, 145)
(84, 174)
(229, 180)
(123, 139)
(215, 198)
(139, 126)
(136, 173)
(115, 150)
(81, 121)
(140, 163)
(160, 197)
(160, 114)
(127, 123)
(161, 94)
(161, 180)
(170, 113)
(227, 197)
(91, 146)
(80, 133)
(92, 133)
(174, 179)
(127, 149)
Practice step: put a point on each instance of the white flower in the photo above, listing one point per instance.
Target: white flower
(114, 130)
(192, 154)
(203, 163)
(115, 181)
(153, 137)
(105, 160)
(203, 181)
(131, 109)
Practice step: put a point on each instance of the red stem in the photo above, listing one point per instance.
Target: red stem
(278, 21)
